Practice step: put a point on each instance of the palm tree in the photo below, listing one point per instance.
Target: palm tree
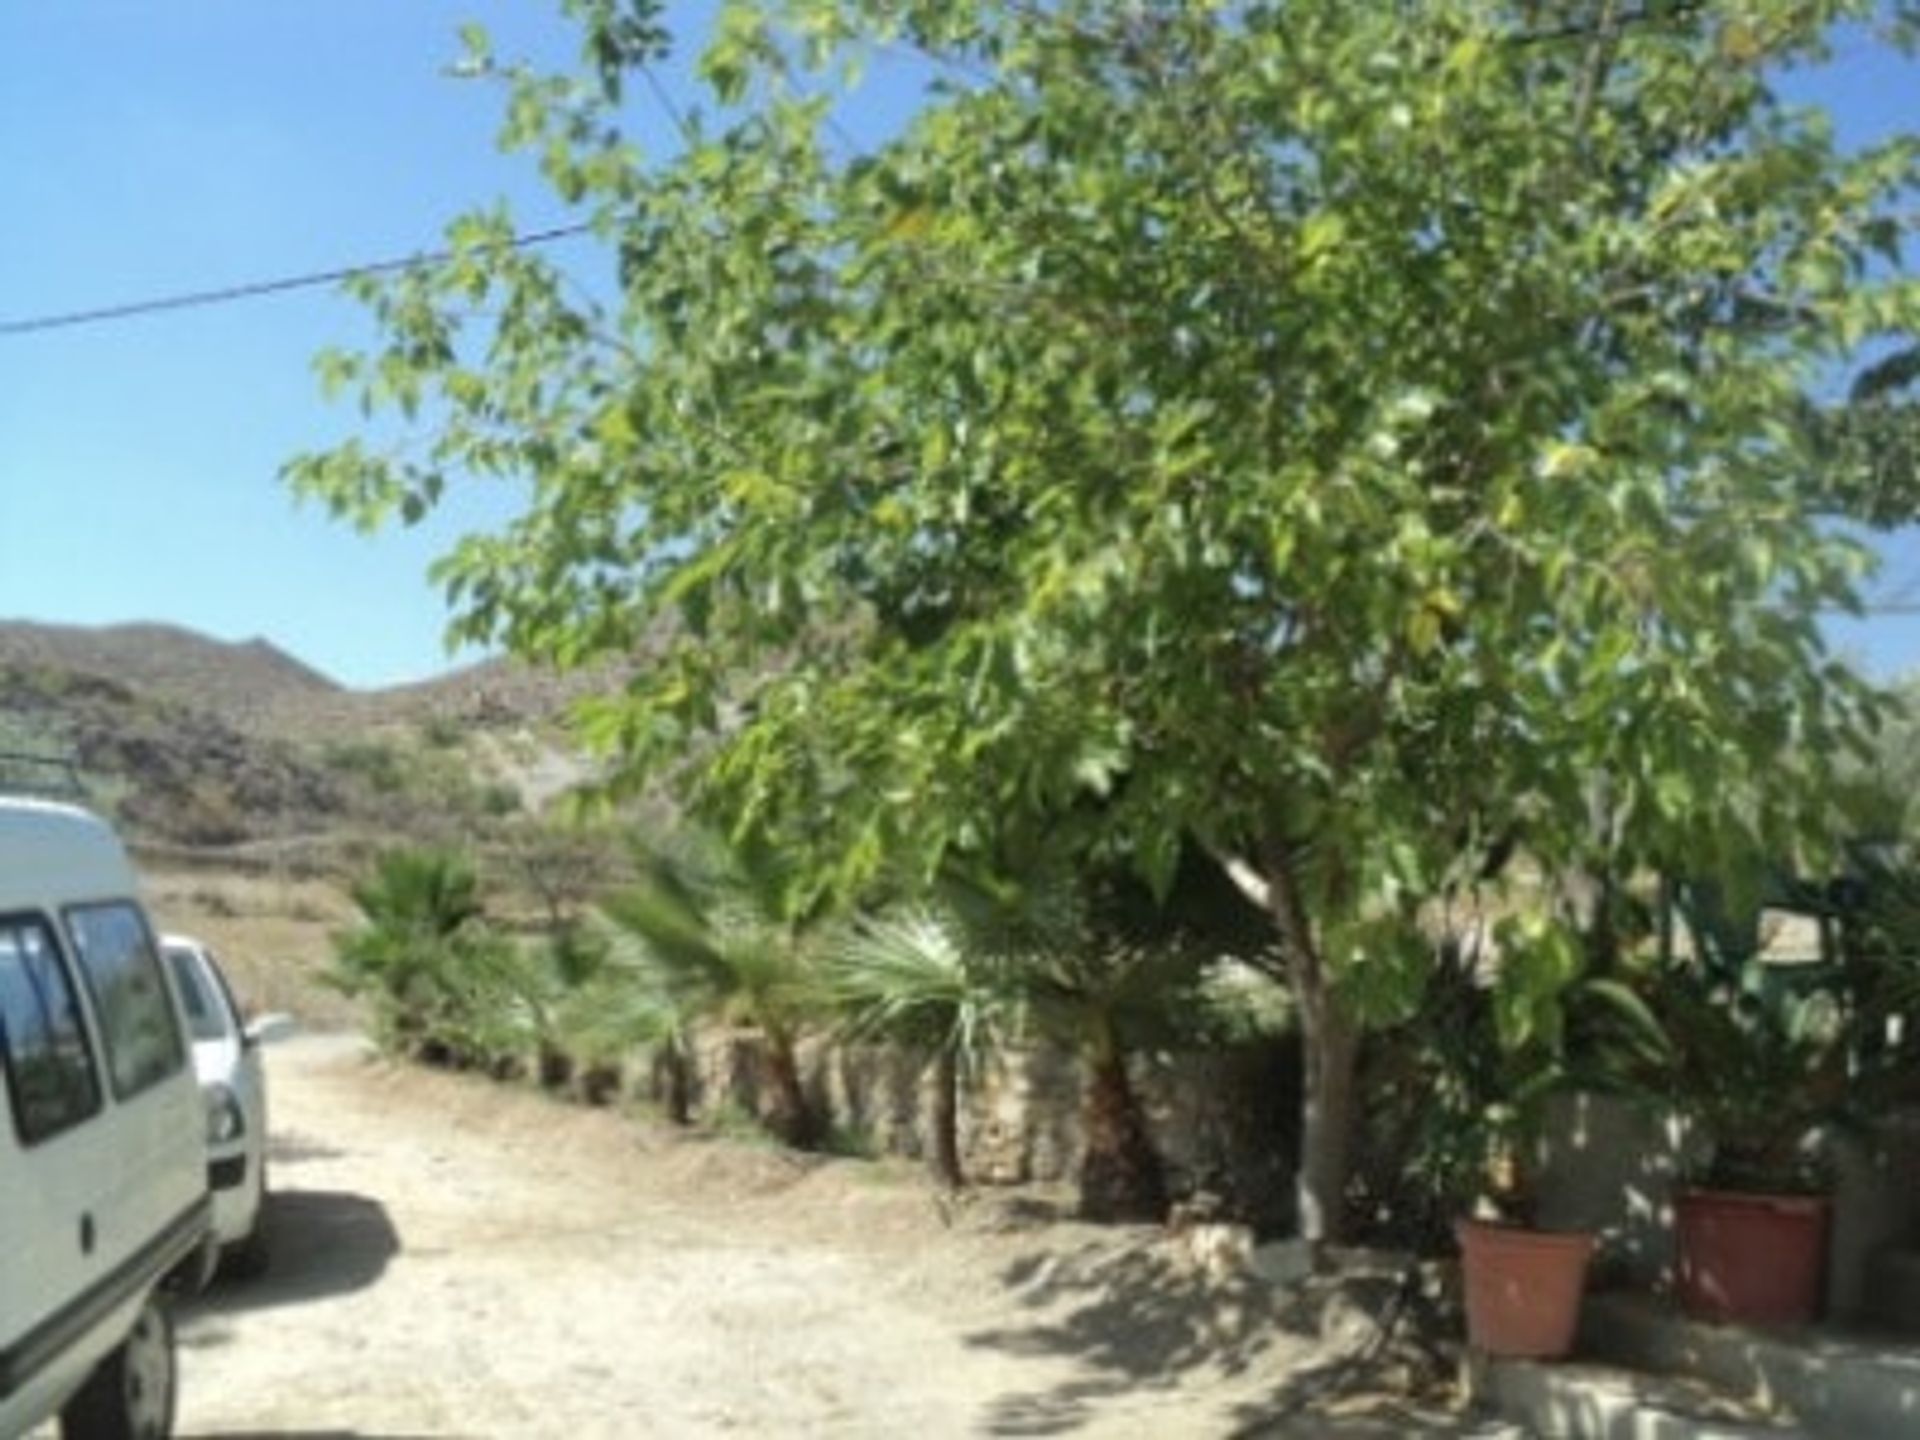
(1102, 1001)
(627, 1004)
(915, 980)
(1098, 978)
(421, 951)
(717, 934)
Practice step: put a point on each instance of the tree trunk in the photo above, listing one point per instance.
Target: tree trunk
(677, 1071)
(1120, 1173)
(554, 1066)
(788, 1115)
(1329, 1056)
(1329, 1052)
(943, 1156)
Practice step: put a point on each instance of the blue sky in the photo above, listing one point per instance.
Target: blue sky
(153, 148)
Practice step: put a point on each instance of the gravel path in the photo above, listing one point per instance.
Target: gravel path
(455, 1258)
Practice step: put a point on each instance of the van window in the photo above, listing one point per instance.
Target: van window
(49, 1067)
(137, 1023)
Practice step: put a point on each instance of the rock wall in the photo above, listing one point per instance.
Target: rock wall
(1224, 1121)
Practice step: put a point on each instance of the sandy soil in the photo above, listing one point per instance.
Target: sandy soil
(459, 1258)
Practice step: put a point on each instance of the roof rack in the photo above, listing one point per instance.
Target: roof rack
(46, 777)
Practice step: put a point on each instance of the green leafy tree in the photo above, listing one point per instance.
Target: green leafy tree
(1333, 432)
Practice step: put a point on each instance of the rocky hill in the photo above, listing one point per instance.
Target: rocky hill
(239, 682)
(196, 742)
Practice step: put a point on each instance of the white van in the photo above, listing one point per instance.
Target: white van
(103, 1177)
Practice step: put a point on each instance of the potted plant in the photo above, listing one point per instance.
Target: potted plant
(1764, 1072)
(1524, 1283)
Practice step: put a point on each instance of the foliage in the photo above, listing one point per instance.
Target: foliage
(1333, 437)
(911, 978)
(630, 1003)
(712, 937)
(434, 971)
(1764, 1068)
(1870, 445)
(1877, 791)
(1458, 1097)
(423, 788)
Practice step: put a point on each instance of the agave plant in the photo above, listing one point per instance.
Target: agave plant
(916, 980)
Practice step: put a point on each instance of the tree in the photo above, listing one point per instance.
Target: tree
(916, 979)
(1333, 433)
(424, 954)
(630, 1002)
(717, 939)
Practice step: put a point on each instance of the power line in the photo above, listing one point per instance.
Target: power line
(196, 299)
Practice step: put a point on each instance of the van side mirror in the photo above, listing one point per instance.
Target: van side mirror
(269, 1029)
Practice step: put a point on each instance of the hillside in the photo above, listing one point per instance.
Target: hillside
(201, 743)
(238, 682)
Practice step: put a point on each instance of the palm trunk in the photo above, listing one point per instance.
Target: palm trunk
(788, 1116)
(1120, 1173)
(678, 1073)
(943, 1156)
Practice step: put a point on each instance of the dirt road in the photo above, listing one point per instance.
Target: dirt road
(459, 1258)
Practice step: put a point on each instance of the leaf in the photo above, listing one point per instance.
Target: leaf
(909, 226)
(1560, 460)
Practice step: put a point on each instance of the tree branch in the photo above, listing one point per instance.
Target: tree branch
(1649, 14)
(1247, 880)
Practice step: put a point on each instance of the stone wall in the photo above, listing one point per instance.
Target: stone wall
(1223, 1120)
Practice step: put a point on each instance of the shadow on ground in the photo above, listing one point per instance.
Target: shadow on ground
(286, 1148)
(1141, 1325)
(325, 1243)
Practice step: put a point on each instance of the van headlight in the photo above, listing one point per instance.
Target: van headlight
(225, 1121)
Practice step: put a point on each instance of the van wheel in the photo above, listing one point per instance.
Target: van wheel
(131, 1395)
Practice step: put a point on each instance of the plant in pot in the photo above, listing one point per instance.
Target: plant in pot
(1763, 1069)
(1549, 1031)
(1523, 1284)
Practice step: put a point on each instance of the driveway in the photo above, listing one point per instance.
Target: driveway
(457, 1258)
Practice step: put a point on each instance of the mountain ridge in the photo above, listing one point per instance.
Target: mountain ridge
(196, 741)
(260, 685)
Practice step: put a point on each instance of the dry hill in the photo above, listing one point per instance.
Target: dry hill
(197, 742)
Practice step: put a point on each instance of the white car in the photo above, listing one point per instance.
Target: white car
(103, 1177)
(226, 1055)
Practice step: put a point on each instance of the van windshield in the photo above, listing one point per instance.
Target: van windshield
(203, 1007)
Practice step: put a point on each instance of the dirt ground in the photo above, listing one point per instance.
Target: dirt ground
(455, 1257)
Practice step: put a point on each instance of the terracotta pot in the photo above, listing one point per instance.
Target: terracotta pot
(1523, 1287)
(1751, 1259)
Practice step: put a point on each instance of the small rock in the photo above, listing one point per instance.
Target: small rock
(1282, 1262)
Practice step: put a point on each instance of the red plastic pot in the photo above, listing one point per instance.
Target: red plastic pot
(1751, 1259)
(1523, 1288)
